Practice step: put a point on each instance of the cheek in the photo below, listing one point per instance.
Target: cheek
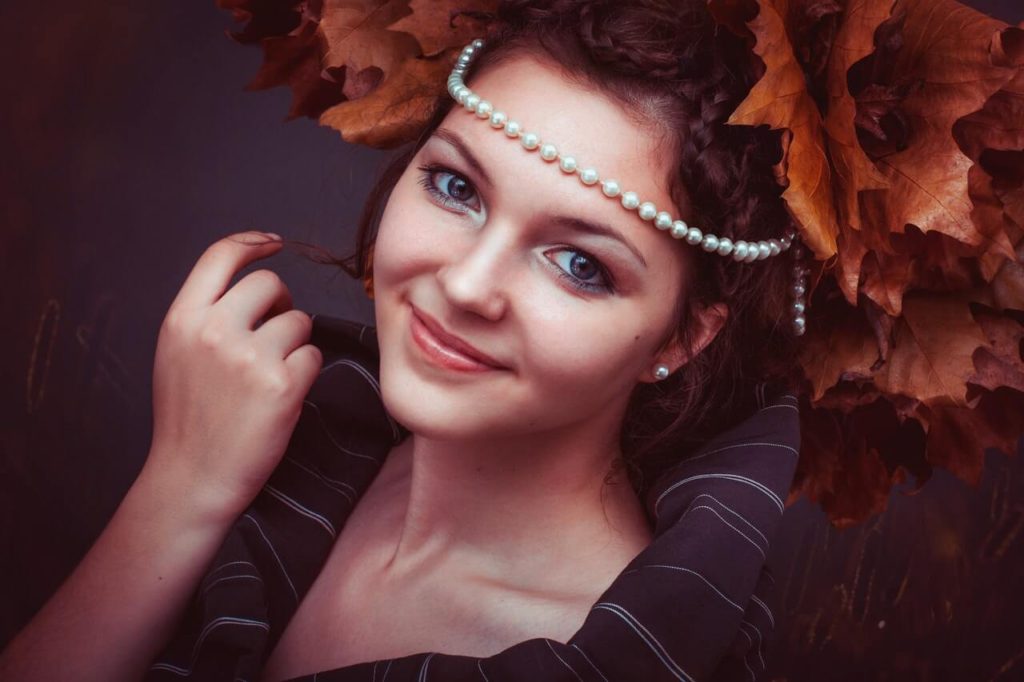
(585, 356)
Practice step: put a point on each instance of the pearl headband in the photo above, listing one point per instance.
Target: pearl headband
(740, 251)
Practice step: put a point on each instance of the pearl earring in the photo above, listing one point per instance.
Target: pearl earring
(661, 372)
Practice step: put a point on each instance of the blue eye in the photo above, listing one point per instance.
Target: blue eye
(582, 266)
(453, 191)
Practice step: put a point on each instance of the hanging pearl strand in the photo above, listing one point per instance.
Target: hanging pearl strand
(740, 251)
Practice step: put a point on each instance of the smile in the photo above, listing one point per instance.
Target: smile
(441, 354)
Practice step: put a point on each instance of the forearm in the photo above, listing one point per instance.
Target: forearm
(119, 606)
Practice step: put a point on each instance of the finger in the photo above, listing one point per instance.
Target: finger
(253, 297)
(304, 363)
(212, 273)
(283, 333)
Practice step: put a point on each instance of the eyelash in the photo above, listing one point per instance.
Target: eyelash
(426, 181)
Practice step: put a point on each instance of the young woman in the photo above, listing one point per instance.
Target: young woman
(553, 361)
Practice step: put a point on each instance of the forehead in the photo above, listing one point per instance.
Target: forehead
(580, 121)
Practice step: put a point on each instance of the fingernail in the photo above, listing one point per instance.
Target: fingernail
(273, 235)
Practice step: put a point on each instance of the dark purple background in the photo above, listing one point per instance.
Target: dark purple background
(129, 145)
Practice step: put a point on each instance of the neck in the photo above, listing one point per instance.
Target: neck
(529, 506)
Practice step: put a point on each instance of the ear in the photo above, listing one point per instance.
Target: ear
(674, 355)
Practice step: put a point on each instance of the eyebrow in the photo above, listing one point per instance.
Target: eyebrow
(570, 222)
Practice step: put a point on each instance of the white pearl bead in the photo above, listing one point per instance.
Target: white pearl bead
(663, 221)
(725, 246)
(753, 253)
(785, 243)
(484, 109)
(709, 243)
(462, 94)
(661, 372)
(478, 43)
(498, 119)
(588, 176)
(567, 164)
(799, 307)
(512, 128)
(774, 247)
(472, 101)
(680, 229)
(740, 251)
(630, 200)
(530, 140)
(548, 151)
(610, 188)
(647, 210)
(763, 250)
(694, 236)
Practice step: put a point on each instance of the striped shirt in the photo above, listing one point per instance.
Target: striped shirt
(693, 605)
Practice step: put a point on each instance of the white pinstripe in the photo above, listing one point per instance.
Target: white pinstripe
(230, 577)
(708, 582)
(722, 519)
(764, 606)
(330, 436)
(730, 477)
(280, 563)
(555, 653)
(737, 515)
(305, 511)
(760, 639)
(596, 669)
(330, 483)
(744, 659)
(649, 639)
(210, 627)
(423, 668)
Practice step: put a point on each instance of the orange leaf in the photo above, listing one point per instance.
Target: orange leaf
(931, 355)
(436, 30)
(394, 112)
(948, 50)
(780, 100)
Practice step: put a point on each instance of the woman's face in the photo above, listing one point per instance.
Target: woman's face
(491, 253)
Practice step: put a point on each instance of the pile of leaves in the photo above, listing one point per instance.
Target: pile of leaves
(903, 128)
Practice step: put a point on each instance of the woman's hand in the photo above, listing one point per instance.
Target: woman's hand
(227, 396)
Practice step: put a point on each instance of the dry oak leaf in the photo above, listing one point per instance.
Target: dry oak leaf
(780, 99)
(854, 172)
(396, 110)
(436, 29)
(958, 436)
(358, 37)
(932, 349)
(948, 50)
(841, 346)
(999, 363)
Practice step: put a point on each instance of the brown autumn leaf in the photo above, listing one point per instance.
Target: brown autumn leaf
(999, 363)
(948, 49)
(854, 171)
(958, 436)
(358, 37)
(780, 99)
(438, 26)
(841, 346)
(931, 357)
(395, 111)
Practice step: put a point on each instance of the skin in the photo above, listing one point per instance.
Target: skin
(538, 437)
(492, 522)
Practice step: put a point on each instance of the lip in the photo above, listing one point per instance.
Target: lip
(447, 349)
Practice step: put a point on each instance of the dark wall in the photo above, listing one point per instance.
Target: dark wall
(128, 146)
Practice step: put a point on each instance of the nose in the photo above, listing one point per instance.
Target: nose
(474, 276)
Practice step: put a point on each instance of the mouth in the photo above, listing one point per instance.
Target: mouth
(447, 350)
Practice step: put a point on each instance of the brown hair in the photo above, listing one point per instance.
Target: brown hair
(669, 63)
